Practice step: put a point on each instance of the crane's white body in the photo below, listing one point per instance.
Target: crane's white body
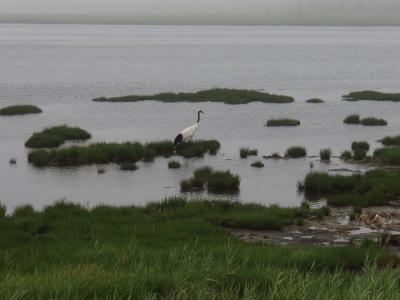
(189, 132)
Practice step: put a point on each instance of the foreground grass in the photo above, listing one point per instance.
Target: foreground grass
(375, 187)
(228, 96)
(101, 153)
(55, 136)
(372, 95)
(19, 110)
(282, 122)
(175, 250)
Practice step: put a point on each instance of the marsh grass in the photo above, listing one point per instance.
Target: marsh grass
(244, 152)
(391, 140)
(359, 154)
(371, 121)
(282, 122)
(375, 187)
(257, 164)
(215, 180)
(372, 95)
(315, 100)
(360, 145)
(55, 136)
(101, 153)
(174, 164)
(19, 110)
(228, 96)
(352, 119)
(388, 155)
(295, 152)
(346, 155)
(175, 249)
(325, 154)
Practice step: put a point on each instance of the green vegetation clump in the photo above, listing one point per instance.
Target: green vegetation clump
(174, 164)
(228, 96)
(359, 154)
(314, 100)
(371, 121)
(282, 122)
(391, 140)
(216, 181)
(375, 187)
(3, 210)
(55, 136)
(101, 153)
(19, 110)
(296, 152)
(372, 95)
(325, 154)
(128, 166)
(346, 155)
(257, 164)
(361, 145)
(388, 155)
(176, 249)
(352, 119)
(244, 152)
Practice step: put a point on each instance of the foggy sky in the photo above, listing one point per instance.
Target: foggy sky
(252, 12)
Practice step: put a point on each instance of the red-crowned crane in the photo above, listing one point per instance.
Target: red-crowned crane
(187, 133)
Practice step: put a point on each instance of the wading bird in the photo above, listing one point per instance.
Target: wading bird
(187, 133)
(381, 220)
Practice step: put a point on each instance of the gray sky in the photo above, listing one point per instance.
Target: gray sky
(281, 12)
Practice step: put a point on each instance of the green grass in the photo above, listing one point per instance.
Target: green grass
(372, 95)
(55, 136)
(388, 155)
(257, 164)
(19, 110)
(371, 121)
(215, 180)
(128, 166)
(352, 119)
(101, 153)
(175, 250)
(360, 145)
(391, 140)
(325, 154)
(375, 187)
(282, 122)
(359, 154)
(228, 96)
(244, 152)
(295, 152)
(346, 155)
(174, 164)
(315, 100)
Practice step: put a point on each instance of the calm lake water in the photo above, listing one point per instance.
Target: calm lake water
(62, 67)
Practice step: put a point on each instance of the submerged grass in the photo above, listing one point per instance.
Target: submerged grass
(244, 152)
(375, 187)
(295, 152)
(19, 110)
(55, 136)
(174, 250)
(228, 96)
(100, 153)
(282, 122)
(372, 95)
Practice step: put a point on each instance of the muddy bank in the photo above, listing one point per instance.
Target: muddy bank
(336, 229)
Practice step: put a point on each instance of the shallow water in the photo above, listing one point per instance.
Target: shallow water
(62, 67)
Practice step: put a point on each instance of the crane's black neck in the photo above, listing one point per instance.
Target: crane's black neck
(198, 117)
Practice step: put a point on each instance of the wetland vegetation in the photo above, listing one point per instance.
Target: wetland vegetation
(19, 110)
(257, 164)
(244, 152)
(388, 155)
(55, 136)
(282, 122)
(325, 154)
(177, 249)
(228, 96)
(174, 164)
(315, 100)
(372, 95)
(372, 121)
(352, 119)
(295, 152)
(391, 140)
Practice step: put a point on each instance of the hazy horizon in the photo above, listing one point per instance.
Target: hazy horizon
(203, 12)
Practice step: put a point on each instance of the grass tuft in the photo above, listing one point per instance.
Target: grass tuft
(391, 140)
(128, 166)
(325, 154)
(257, 164)
(346, 155)
(174, 164)
(282, 122)
(19, 110)
(295, 152)
(244, 152)
(352, 119)
(361, 145)
(371, 121)
(372, 95)
(314, 100)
